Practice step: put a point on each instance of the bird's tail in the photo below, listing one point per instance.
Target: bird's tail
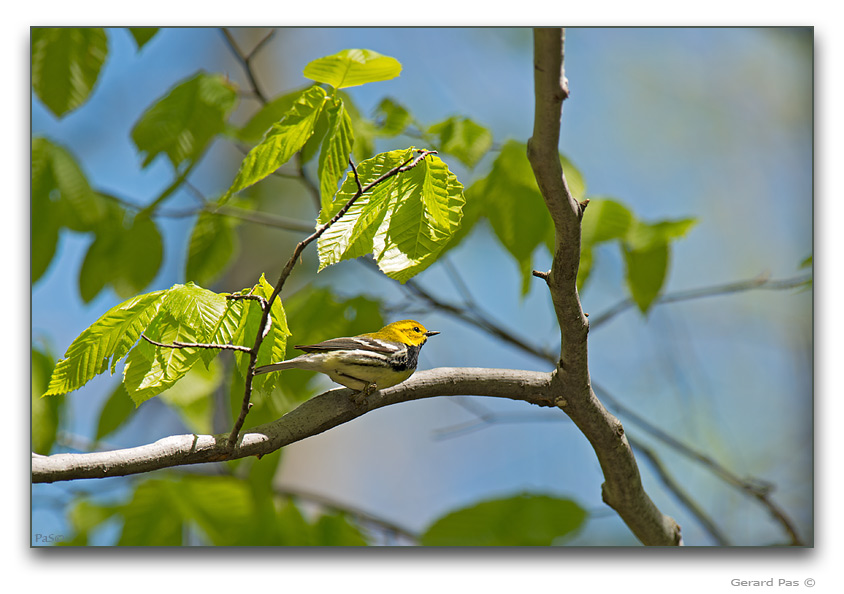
(274, 367)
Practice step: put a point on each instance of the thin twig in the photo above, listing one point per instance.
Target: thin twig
(245, 61)
(673, 486)
(327, 502)
(761, 282)
(484, 418)
(761, 490)
(176, 344)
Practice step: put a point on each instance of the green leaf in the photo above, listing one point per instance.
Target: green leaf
(336, 148)
(352, 67)
(281, 142)
(213, 245)
(126, 259)
(334, 530)
(181, 123)
(46, 220)
(225, 330)
(574, 179)
(515, 207)
(274, 346)
(642, 236)
(462, 138)
(363, 128)
(45, 411)
(142, 35)
(150, 369)
(116, 411)
(405, 221)
(603, 220)
(391, 117)
(110, 337)
(220, 506)
(268, 115)
(66, 63)
(138, 257)
(646, 272)
(153, 516)
(524, 520)
(82, 209)
(807, 263)
(191, 397)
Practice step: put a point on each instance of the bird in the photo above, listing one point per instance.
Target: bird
(366, 362)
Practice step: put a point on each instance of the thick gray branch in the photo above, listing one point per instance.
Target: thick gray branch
(311, 418)
(622, 489)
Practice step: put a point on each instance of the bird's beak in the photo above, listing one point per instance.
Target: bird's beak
(431, 333)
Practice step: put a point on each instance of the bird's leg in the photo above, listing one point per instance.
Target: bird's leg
(360, 397)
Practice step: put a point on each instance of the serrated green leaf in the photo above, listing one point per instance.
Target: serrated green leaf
(281, 142)
(269, 114)
(391, 118)
(336, 148)
(463, 138)
(352, 67)
(524, 520)
(142, 35)
(225, 330)
(428, 209)
(151, 369)
(195, 307)
(182, 122)
(109, 337)
(66, 63)
(351, 236)
(45, 411)
(646, 270)
(212, 246)
(405, 221)
(116, 411)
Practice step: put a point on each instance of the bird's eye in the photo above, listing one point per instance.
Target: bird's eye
(416, 329)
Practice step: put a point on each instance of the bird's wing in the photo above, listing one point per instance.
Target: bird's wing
(349, 343)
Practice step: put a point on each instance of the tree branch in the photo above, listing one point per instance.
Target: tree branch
(622, 489)
(315, 416)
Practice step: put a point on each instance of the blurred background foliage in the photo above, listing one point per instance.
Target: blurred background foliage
(695, 149)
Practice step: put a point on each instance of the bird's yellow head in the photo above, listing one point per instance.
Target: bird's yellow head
(405, 331)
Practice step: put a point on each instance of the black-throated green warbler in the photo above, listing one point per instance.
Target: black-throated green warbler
(364, 363)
